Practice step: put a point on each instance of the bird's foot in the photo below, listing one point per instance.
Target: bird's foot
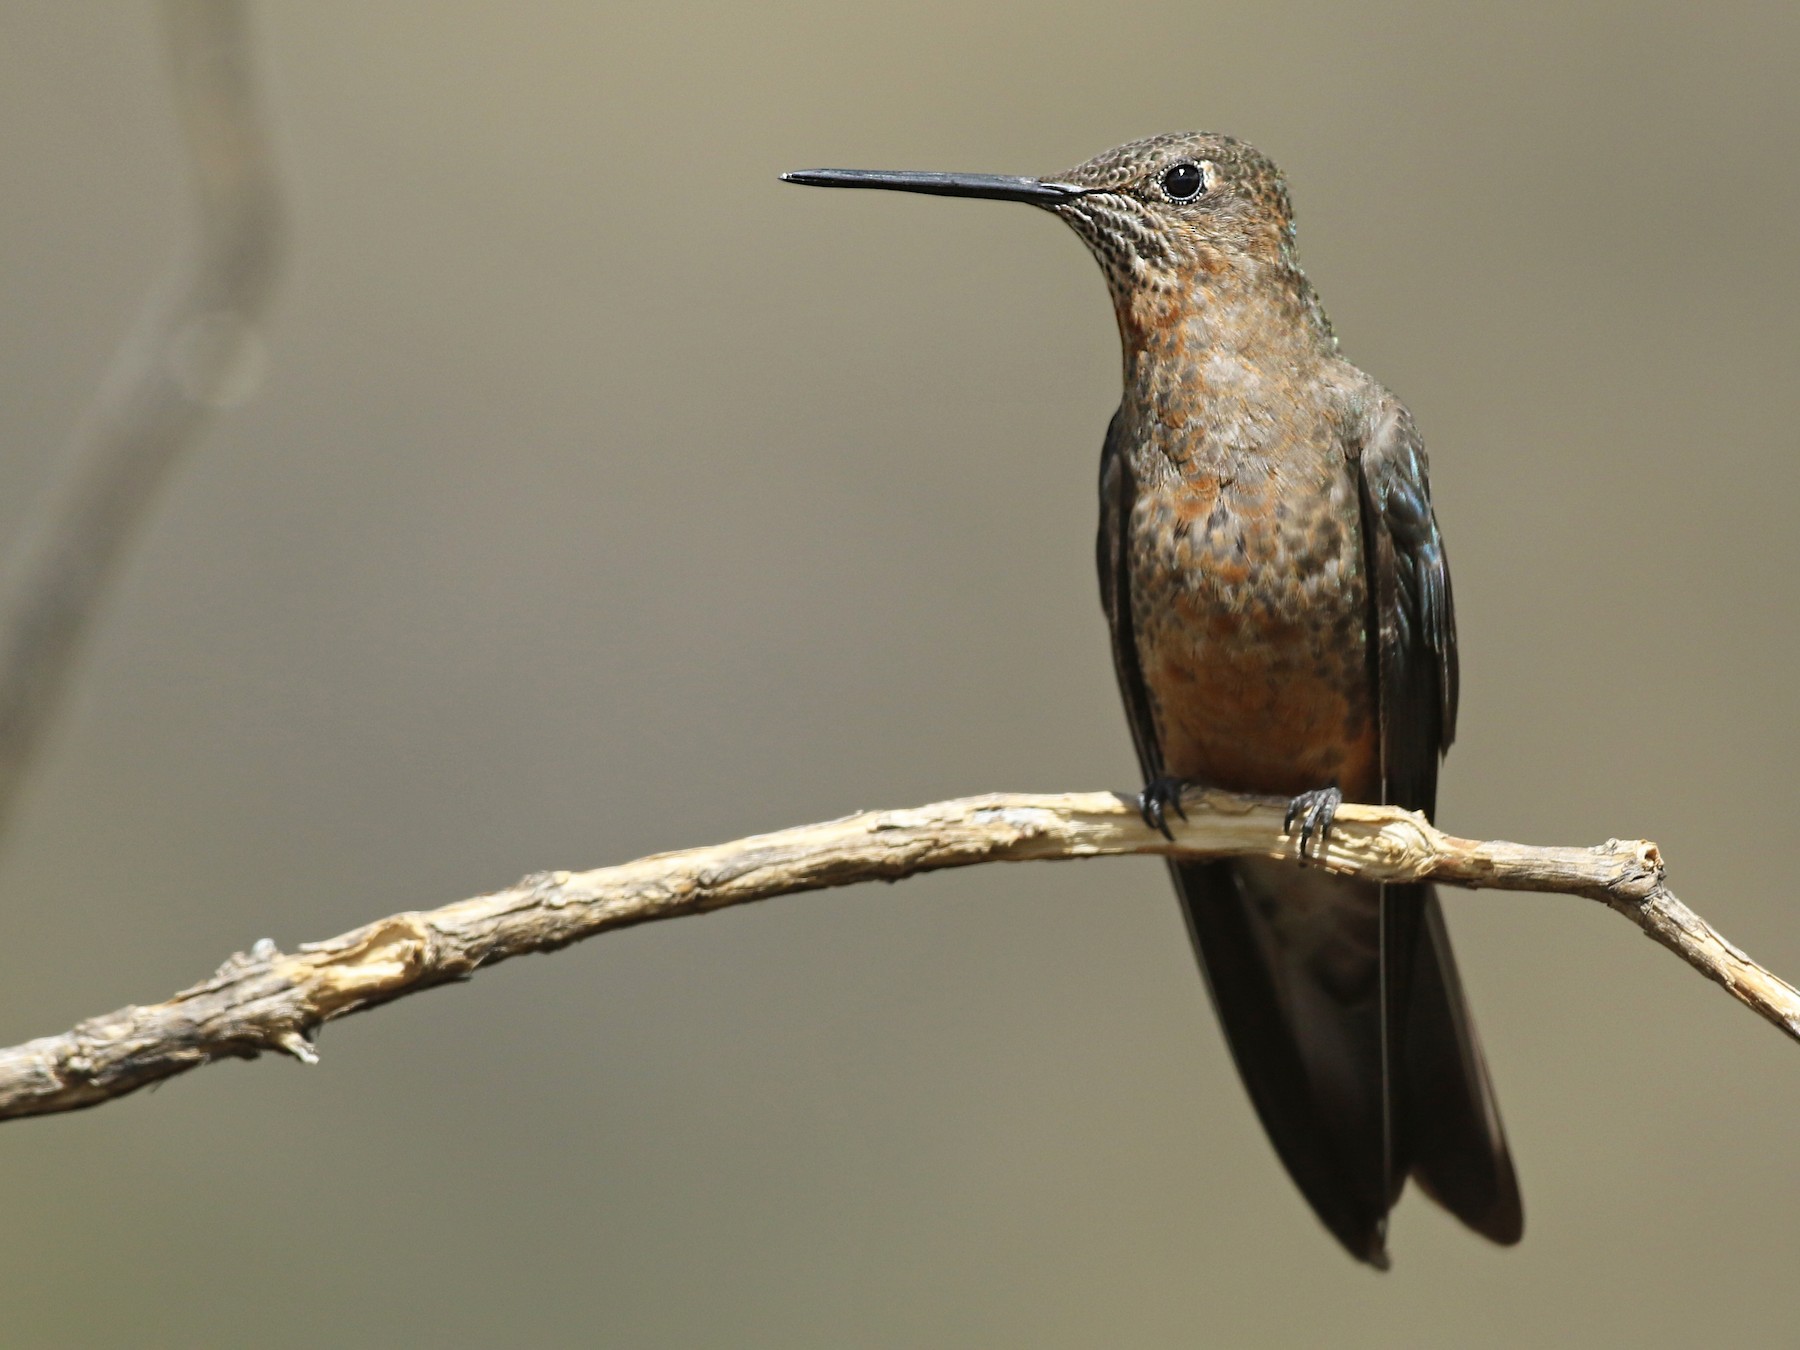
(1159, 797)
(1314, 811)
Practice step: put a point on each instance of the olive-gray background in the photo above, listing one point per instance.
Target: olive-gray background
(604, 495)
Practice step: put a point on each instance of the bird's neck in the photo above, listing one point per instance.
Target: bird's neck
(1241, 313)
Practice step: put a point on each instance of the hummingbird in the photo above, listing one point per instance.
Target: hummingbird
(1279, 601)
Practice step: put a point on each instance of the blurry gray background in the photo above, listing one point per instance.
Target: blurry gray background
(604, 495)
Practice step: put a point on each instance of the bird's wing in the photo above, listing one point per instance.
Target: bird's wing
(1444, 1126)
(1415, 621)
(1117, 494)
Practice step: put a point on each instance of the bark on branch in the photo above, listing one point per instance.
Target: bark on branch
(267, 999)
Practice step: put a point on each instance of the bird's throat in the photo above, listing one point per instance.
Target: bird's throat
(1240, 310)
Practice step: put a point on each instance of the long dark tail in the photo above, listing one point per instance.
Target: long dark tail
(1353, 1102)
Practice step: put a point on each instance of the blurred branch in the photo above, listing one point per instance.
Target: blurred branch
(187, 354)
(273, 1000)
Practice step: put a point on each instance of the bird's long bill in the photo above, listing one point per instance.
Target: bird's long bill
(998, 187)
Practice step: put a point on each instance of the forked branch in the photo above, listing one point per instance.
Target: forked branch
(267, 999)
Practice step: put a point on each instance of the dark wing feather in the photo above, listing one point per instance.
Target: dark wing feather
(1117, 494)
(1446, 1128)
(1318, 1146)
(1415, 621)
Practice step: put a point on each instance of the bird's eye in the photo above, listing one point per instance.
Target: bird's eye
(1184, 181)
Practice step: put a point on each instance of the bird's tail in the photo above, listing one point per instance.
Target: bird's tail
(1353, 1100)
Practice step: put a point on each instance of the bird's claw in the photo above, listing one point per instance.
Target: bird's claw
(1315, 811)
(1158, 798)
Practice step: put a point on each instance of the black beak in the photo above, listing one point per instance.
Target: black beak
(999, 187)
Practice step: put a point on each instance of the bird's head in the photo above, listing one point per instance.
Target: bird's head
(1169, 211)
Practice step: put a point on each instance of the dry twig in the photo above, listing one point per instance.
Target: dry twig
(273, 1000)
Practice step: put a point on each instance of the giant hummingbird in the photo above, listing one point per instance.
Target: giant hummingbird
(1279, 601)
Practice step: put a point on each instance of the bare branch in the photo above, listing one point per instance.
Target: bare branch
(272, 1000)
(185, 356)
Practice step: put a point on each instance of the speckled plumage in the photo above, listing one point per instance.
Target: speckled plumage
(1280, 610)
(1281, 618)
(1243, 547)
